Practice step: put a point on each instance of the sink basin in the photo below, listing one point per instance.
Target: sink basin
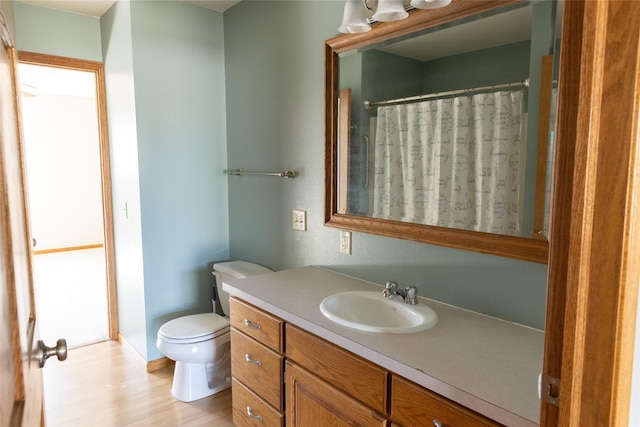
(372, 312)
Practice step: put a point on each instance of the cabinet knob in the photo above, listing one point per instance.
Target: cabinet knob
(248, 358)
(437, 423)
(252, 415)
(249, 324)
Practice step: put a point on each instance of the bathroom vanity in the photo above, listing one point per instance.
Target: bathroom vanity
(290, 362)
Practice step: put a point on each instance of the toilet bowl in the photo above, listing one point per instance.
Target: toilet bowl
(199, 343)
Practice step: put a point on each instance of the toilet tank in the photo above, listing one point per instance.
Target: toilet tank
(234, 270)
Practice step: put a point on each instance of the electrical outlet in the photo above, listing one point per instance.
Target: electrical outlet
(345, 242)
(299, 220)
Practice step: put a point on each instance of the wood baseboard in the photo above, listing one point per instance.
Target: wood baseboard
(151, 365)
(163, 362)
(68, 249)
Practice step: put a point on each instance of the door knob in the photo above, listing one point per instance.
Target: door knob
(60, 351)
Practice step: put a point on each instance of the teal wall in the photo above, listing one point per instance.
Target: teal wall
(55, 32)
(125, 183)
(178, 67)
(275, 120)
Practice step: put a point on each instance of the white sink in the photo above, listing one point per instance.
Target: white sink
(372, 312)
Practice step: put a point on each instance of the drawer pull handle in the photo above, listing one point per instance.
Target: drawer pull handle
(248, 323)
(252, 415)
(437, 423)
(248, 358)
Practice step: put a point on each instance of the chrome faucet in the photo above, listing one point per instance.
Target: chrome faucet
(408, 293)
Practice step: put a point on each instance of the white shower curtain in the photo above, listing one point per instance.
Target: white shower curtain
(451, 162)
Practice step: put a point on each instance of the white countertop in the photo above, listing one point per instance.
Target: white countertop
(486, 364)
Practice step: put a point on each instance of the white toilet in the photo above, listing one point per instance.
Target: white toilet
(199, 343)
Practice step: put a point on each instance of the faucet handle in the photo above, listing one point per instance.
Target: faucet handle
(392, 285)
(412, 295)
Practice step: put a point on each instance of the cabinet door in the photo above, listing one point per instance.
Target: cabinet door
(343, 370)
(311, 402)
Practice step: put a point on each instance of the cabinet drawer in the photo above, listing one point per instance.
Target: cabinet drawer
(344, 370)
(412, 405)
(257, 367)
(257, 324)
(250, 410)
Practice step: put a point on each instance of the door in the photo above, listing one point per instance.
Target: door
(21, 388)
(311, 401)
(69, 196)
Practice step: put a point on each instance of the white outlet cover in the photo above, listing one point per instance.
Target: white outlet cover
(345, 242)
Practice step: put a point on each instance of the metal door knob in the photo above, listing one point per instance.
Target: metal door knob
(60, 351)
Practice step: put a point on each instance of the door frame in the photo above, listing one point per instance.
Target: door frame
(105, 170)
(594, 271)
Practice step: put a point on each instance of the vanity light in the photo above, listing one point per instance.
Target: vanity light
(355, 17)
(429, 4)
(390, 10)
(358, 14)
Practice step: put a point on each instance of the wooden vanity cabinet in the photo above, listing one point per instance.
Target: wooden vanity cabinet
(256, 366)
(323, 383)
(415, 406)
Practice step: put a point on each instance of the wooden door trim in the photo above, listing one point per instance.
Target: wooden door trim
(105, 167)
(593, 271)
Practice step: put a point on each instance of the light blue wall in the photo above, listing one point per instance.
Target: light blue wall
(275, 121)
(125, 184)
(178, 58)
(54, 32)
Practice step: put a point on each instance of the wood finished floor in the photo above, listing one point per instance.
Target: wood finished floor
(103, 385)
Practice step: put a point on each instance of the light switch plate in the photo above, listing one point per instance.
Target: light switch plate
(299, 220)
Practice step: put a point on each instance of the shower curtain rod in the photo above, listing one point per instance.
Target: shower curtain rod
(369, 104)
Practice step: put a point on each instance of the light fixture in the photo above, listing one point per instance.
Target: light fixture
(355, 17)
(429, 4)
(390, 10)
(358, 14)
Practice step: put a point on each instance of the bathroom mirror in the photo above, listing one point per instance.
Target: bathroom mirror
(439, 127)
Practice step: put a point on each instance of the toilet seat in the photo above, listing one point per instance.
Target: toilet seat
(194, 328)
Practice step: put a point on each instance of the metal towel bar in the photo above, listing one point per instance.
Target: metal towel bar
(284, 174)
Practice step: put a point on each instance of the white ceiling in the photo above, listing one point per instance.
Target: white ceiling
(97, 8)
(496, 30)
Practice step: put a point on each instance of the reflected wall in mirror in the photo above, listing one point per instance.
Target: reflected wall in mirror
(440, 127)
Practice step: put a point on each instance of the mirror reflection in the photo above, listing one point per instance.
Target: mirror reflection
(442, 127)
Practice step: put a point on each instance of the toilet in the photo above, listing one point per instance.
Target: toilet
(199, 343)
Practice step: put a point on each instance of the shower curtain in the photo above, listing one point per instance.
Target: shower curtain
(452, 162)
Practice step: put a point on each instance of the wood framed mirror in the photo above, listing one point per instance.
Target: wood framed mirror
(345, 123)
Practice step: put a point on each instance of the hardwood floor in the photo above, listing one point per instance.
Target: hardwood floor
(103, 385)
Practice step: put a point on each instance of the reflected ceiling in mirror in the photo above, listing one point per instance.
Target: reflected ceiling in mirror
(436, 127)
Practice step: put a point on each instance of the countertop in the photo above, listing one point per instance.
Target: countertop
(486, 364)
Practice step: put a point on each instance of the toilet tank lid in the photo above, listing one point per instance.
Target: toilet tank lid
(240, 269)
